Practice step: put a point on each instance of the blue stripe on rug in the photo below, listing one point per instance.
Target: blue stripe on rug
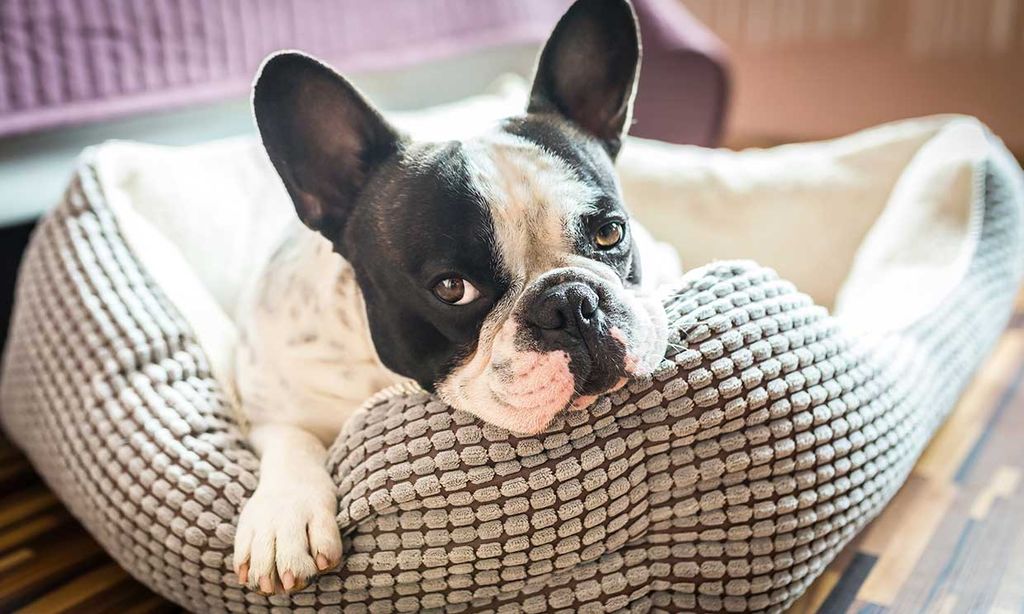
(951, 561)
(845, 590)
(1005, 401)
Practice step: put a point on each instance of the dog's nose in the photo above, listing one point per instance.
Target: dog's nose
(570, 306)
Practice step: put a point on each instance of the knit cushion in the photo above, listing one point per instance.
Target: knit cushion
(772, 432)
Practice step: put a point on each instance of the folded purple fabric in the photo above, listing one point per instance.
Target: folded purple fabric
(684, 82)
(68, 62)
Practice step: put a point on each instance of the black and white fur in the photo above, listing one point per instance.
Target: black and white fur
(347, 306)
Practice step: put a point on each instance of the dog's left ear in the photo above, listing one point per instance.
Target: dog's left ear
(324, 138)
(588, 70)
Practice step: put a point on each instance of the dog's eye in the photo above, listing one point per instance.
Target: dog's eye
(456, 291)
(609, 235)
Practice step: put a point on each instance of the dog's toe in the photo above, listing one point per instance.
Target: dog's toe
(281, 547)
(261, 572)
(266, 585)
(324, 539)
(294, 559)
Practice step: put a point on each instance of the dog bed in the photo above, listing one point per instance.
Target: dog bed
(792, 404)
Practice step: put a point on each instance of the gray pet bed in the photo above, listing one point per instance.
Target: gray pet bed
(769, 437)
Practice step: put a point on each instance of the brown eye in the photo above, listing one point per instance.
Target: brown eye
(609, 235)
(455, 291)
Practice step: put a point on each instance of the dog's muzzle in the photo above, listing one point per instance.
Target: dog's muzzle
(579, 315)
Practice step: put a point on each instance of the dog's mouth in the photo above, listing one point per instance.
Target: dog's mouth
(584, 401)
(598, 358)
(545, 384)
(530, 400)
(520, 377)
(558, 378)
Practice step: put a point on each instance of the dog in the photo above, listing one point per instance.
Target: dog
(501, 272)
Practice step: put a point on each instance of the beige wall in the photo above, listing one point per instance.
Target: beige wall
(809, 69)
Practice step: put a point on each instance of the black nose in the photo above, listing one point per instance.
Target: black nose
(570, 306)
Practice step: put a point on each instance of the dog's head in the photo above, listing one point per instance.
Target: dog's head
(500, 271)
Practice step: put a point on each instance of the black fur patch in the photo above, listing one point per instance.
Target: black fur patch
(422, 219)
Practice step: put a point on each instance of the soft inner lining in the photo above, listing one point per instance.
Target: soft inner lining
(878, 226)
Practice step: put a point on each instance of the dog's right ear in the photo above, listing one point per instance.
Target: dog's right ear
(323, 137)
(588, 70)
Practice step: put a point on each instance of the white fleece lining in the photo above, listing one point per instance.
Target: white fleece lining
(922, 244)
(804, 209)
(879, 225)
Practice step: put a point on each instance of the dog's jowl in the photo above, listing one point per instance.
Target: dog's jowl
(502, 272)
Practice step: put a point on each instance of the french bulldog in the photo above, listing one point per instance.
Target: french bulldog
(502, 272)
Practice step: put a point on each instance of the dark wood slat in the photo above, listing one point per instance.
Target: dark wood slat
(26, 502)
(80, 593)
(16, 474)
(21, 534)
(107, 589)
(58, 558)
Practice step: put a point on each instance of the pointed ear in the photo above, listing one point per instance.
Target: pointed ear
(588, 69)
(322, 136)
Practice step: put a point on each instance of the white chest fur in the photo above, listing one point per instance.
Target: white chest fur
(304, 355)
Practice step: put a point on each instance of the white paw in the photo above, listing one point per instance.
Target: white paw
(286, 535)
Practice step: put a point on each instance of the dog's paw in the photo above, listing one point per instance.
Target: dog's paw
(286, 536)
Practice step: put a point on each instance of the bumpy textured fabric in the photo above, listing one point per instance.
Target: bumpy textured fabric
(726, 482)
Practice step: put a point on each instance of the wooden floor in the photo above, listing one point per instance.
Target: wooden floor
(951, 541)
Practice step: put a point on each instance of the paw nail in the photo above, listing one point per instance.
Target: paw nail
(287, 580)
(266, 585)
(243, 573)
(322, 563)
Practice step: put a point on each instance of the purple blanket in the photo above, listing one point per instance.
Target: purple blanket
(65, 62)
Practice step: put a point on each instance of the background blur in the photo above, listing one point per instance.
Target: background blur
(811, 69)
(734, 73)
